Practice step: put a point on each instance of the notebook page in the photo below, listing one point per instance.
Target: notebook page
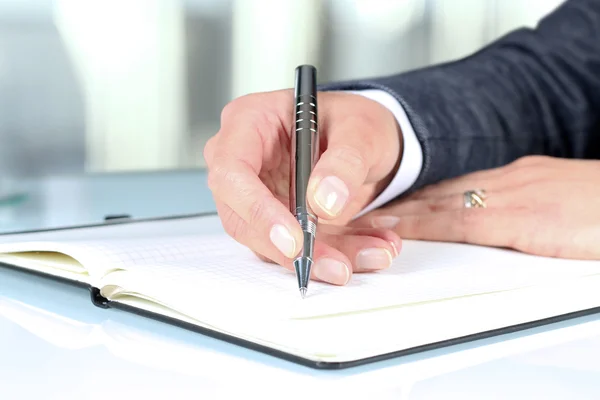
(186, 272)
(95, 260)
(348, 337)
(56, 264)
(90, 258)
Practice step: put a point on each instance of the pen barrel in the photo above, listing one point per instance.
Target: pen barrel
(305, 145)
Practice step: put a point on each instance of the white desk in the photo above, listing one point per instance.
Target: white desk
(54, 344)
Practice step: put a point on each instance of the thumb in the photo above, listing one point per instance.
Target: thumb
(360, 152)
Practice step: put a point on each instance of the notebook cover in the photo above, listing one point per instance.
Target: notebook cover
(109, 220)
(335, 365)
(101, 302)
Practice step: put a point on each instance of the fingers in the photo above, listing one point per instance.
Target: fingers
(338, 256)
(340, 253)
(485, 227)
(245, 234)
(502, 223)
(359, 149)
(241, 190)
(249, 143)
(209, 149)
(248, 163)
(388, 217)
(339, 173)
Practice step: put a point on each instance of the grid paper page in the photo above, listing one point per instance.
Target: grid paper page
(222, 284)
(79, 243)
(186, 271)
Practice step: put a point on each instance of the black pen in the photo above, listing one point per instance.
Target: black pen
(304, 152)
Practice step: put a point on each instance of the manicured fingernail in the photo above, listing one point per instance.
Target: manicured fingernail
(331, 195)
(373, 259)
(395, 248)
(385, 221)
(282, 239)
(332, 271)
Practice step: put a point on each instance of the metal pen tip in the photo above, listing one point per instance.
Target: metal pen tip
(303, 292)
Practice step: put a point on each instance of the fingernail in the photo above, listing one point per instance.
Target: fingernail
(331, 195)
(282, 239)
(395, 248)
(373, 259)
(385, 221)
(332, 271)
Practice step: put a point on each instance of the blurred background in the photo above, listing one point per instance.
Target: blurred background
(121, 85)
(101, 86)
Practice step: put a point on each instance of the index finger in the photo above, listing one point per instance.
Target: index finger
(243, 151)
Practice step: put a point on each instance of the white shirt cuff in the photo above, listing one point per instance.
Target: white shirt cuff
(412, 154)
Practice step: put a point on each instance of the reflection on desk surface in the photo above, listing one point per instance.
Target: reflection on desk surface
(59, 201)
(52, 335)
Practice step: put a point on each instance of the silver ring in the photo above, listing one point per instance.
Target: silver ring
(474, 198)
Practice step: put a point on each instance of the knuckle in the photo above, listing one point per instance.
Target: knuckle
(213, 177)
(520, 162)
(438, 204)
(351, 160)
(409, 227)
(230, 110)
(432, 206)
(209, 148)
(528, 173)
(217, 175)
(256, 212)
(529, 161)
(243, 103)
(235, 227)
(211, 180)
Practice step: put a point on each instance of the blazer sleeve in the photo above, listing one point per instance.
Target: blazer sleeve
(533, 91)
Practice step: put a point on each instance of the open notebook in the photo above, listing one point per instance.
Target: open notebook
(61, 325)
(188, 272)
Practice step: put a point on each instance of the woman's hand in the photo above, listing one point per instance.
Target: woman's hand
(249, 163)
(538, 205)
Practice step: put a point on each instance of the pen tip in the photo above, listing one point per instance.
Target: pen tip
(303, 292)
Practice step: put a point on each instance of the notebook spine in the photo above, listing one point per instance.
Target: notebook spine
(97, 299)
